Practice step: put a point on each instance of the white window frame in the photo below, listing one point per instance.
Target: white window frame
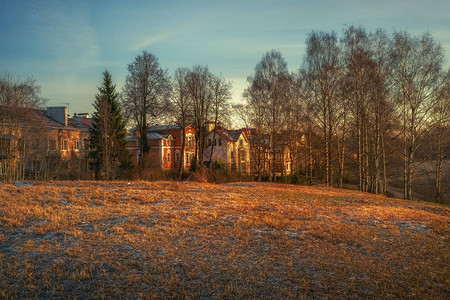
(66, 142)
(77, 146)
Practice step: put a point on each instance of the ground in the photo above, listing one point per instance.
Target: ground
(240, 240)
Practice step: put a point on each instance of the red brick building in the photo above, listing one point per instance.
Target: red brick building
(165, 144)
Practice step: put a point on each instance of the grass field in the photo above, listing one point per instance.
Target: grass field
(238, 240)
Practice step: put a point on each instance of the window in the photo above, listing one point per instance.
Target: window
(209, 142)
(87, 147)
(242, 154)
(64, 146)
(190, 141)
(168, 156)
(77, 145)
(240, 143)
(177, 156)
(52, 145)
(220, 141)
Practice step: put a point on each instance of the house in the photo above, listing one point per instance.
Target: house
(285, 156)
(228, 147)
(37, 143)
(165, 144)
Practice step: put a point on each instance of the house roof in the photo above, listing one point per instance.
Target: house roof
(235, 134)
(38, 118)
(224, 134)
(164, 127)
(157, 136)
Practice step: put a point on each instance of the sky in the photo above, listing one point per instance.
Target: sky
(66, 45)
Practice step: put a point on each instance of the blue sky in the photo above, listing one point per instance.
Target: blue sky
(66, 45)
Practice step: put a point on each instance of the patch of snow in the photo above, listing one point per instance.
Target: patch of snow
(22, 183)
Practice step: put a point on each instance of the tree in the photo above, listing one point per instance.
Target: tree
(221, 94)
(268, 95)
(180, 107)
(417, 64)
(21, 133)
(146, 87)
(199, 83)
(440, 119)
(380, 44)
(108, 133)
(323, 72)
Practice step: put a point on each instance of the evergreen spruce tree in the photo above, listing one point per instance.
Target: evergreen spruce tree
(108, 135)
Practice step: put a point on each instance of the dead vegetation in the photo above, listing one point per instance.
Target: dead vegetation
(238, 240)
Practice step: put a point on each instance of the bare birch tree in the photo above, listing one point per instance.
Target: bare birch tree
(220, 94)
(417, 63)
(323, 71)
(198, 83)
(180, 107)
(20, 126)
(146, 87)
(269, 92)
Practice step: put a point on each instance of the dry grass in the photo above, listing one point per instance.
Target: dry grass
(197, 240)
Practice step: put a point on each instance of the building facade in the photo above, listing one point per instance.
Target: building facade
(165, 144)
(230, 148)
(37, 143)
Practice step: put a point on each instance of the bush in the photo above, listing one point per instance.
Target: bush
(293, 179)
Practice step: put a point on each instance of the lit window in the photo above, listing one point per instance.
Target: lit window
(64, 146)
(77, 145)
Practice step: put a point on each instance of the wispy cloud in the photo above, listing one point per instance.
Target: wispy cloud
(150, 40)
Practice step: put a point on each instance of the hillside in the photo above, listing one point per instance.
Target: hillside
(239, 240)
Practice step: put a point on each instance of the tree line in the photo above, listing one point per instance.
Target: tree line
(368, 106)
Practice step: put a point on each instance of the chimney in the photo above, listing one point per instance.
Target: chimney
(58, 114)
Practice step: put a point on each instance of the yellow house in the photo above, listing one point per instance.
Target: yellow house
(228, 147)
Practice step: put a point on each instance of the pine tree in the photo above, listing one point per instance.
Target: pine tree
(108, 133)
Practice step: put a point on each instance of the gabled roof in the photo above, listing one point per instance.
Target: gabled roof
(224, 134)
(235, 134)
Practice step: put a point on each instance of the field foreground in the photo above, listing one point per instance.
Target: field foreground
(239, 240)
